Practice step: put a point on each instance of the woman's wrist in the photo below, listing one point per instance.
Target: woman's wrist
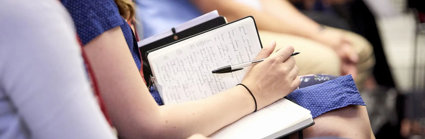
(245, 98)
(252, 95)
(330, 38)
(317, 33)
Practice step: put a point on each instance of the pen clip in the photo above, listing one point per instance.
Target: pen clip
(151, 81)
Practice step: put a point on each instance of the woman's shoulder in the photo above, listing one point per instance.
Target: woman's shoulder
(93, 17)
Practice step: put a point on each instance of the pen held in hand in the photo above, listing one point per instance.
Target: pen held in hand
(232, 68)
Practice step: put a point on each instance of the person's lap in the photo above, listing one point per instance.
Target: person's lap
(336, 106)
(316, 58)
(347, 122)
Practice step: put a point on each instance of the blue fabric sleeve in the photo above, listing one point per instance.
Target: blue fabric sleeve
(93, 17)
(327, 96)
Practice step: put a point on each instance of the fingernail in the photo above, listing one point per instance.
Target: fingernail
(273, 43)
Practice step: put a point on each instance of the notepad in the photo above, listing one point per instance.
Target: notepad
(182, 72)
(279, 119)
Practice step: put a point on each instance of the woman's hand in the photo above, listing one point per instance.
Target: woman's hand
(275, 77)
(343, 48)
(348, 58)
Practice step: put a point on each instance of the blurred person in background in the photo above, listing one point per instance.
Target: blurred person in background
(356, 16)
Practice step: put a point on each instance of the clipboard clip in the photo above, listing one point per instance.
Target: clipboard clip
(175, 37)
(151, 81)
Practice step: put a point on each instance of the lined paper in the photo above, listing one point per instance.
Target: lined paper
(186, 66)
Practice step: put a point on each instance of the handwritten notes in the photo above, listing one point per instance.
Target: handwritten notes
(183, 70)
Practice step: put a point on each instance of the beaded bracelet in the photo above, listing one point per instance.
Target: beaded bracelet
(252, 95)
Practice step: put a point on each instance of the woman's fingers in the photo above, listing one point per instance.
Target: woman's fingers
(293, 72)
(266, 51)
(288, 65)
(296, 81)
(283, 54)
(350, 53)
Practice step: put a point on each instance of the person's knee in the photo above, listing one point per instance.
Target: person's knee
(363, 48)
(366, 57)
(319, 60)
(347, 122)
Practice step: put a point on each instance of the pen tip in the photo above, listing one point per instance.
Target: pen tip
(295, 53)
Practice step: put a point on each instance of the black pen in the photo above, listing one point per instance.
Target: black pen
(232, 68)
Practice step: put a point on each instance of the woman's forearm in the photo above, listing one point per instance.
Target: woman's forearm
(134, 112)
(208, 115)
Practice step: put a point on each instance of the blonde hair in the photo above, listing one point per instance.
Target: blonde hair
(126, 9)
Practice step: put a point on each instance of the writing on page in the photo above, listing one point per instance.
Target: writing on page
(191, 61)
